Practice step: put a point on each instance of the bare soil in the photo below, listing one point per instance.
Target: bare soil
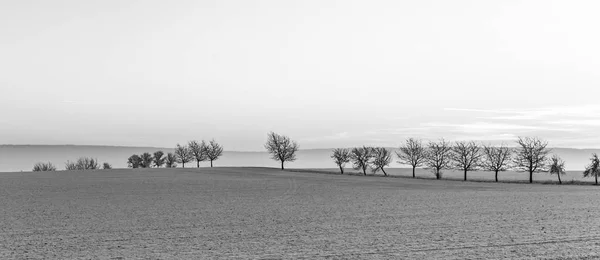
(260, 213)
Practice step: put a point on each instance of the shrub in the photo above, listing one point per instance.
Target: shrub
(83, 163)
(44, 167)
(106, 166)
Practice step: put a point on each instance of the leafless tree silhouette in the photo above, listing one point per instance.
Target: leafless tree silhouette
(593, 170)
(183, 154)
(466, 156)
(382, 157)
(496, 159)
(134, 161)
(557, 166)
(438, 157)
(341, 156)
(213, 151)
(198, 151)
(531, 156)
(361, 158)
(171, 160)
(159, 159)
(412, 153)
(281, 148)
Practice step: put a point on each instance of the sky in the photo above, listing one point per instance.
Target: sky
(326, 73)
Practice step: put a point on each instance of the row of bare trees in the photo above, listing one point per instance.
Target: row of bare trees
(199, 152)
(147, 160)
(193, 151)
(530, 155)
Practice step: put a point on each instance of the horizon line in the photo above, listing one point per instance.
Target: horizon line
(254, 151)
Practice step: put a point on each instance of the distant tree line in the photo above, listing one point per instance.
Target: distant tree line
(193, 151)
(530, 155)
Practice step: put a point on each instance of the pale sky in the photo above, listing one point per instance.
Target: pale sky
(326, 73)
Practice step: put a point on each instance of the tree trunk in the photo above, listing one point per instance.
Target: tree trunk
(465, 175)
(282, 166)
(559, 181)
(414, 171)
(364, 171)
(596, 179)
(182, 165)
(384, 173)
(198, 164)
(496, 176)
(530, 176)
(342, 169)
(211, 163)
(437, 174)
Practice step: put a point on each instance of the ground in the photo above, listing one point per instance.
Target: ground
(261, 213)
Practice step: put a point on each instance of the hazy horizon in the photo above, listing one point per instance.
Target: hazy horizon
(326, 73)
(23, 157)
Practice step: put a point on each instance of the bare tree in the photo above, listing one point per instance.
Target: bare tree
(341, 156)
(198, 151)
(531, 156)
(361, 158)
(213, 151)
(381, 158)
(183, 154)
(134, 161)
(496, 159)
(438, 157)
(557, 166)
(159, 159)
(466, 156)
(171, 160)
(412, 153)
(146, 160)
(281, 148)
(44, 167)
(593, 169)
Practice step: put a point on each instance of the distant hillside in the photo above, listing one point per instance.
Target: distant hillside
(23, 157)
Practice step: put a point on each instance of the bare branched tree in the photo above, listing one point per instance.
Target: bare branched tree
(213, 151)
(44, 167)
(496, 159)
(438, 157)
(412, 153)
(147, 160)
(134, 161)
(361, 158)
(171, 160)
(159, 159)
(341, 156)
(557, 166)
(531, 156)
(281, 148)
(466, 156)
(198, 151)
(381, 158)
(183, 154)
(593, 170)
